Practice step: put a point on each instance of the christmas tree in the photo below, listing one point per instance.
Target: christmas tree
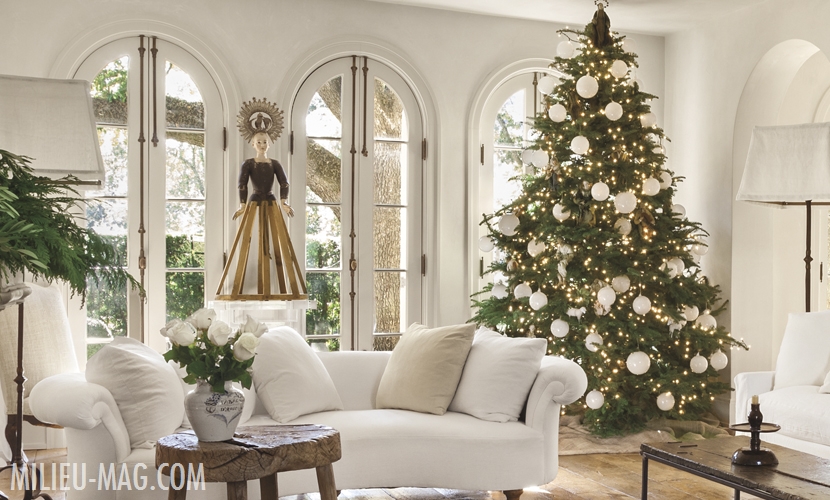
(594, 255)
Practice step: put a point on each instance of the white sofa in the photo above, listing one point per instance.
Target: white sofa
(796, 395)
(381, 447)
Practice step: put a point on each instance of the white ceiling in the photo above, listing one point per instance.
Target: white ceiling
(643, 16)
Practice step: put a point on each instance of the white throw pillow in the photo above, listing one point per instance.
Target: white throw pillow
(247, 409)
(498, 376)
(825, 389)
(290, 379)
(804, 358)
(145, 388)
(425, 367)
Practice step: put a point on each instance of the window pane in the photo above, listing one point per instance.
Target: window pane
(184, 107)
(506, 165)
(106, 310)
(186, 165)
(390, 301)
(390, 173)
(185, 294)
(508, 129)
(108, 217)
(390, 117)
(109, 93)
(323, 174)
(185, 251)
(113, 144)
(325, 289)
(322, 237)
(186, 218)
(389, 238)
(323, 117)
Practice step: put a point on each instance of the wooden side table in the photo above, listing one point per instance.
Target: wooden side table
(253, 453)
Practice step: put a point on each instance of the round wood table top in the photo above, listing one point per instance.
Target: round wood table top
(254, 452)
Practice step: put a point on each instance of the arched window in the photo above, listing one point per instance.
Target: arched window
(357, 169)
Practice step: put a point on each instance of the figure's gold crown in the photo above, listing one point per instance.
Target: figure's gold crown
(259, 116)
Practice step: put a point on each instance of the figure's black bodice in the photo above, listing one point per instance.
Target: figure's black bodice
(262, 180)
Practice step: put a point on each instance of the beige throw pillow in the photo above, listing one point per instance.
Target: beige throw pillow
(425, 367)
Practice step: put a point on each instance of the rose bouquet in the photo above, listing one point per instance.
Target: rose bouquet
(208, 349)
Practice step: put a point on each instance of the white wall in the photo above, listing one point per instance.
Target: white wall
(260, 43)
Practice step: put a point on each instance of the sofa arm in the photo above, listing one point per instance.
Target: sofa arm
(69, 400)
(748, 384)
(559, 380)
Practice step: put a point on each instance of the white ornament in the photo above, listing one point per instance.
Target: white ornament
(562, 268)
(623, 226)
(546, 84)
(565, 49)
(674, 325)
(665, 401)
(580, 145)
(594, 400)
(600, 191)
(534, 248)
(665, 180)
(538, 300)
(618, 69)
(706, 321)
(648, 120)
(499, 291)
(651, 186)
(587, 86)
(638, 362)
(671, 267)
(621, 283)
(625, 202)
(679, 211)
(508, 224)
(512, 265)
(522, 290)
(606, 296)
(565, 249)
(593, 342)
(698, 364)
(561, 213)
(658, 150)
(718, 360)
(691, 313)
(641, 305)
(559, 328)
(486, 244)
(613, 111)
(539, 158)
(678, 263)
(635, 81)
(628, 45)
(577, 312)
(527, 156)
(557, 113)
(699, 249)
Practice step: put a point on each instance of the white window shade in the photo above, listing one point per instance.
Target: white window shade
(52, 122)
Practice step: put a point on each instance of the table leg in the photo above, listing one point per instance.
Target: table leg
(737, 494)
(268, 488)
(325, 482)
(176, 494)
(177, 477)
(238, 490)
(644, 493)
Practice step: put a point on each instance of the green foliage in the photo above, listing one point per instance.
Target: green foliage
(207, 361)
(111, 82)
(584, 252)
(325, 289)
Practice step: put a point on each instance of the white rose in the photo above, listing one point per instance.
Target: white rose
(245, 347)
(219, 332)
(202, 318)
(170, 324)
(254, 326)
(181, 333)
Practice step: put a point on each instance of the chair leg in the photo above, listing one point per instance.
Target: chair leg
(513, 494)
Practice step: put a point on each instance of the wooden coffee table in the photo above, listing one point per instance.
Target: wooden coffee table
(256, 452)
(798, 476)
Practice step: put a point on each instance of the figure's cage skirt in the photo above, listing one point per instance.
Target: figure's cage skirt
(275, 254)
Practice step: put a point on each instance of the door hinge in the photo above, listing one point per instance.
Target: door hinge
(224, 138)
(224, 259)
(481, 267)
(482, 154)
(291, 143)
(423, 264)
(821, 272)
(424, 149)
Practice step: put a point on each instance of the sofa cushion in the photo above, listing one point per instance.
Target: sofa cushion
(145, 388)
(801, 411)
(425, 367)
(497, 376)
(804, 358)
(290, 379)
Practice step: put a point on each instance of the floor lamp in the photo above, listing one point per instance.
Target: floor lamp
(789, 166)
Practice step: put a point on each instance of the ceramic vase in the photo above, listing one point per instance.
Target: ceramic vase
(214, 415)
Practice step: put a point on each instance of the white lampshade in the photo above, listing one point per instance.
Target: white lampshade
(51, 121)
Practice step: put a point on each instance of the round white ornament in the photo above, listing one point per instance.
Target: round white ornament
(718, 360)
(618, 69)
(565, 49)
(593, 342)
(678, 264)
(486, 244)
(623, 226)
(522, 290)
(499, 291)
(538, 300)
(561, 213)
(606, 296)
(539, 158)
(546, 84)
(527, 156)
(594, 400)
(580, 145)
(698, 364)
(559, 328)
(641, 305)
(665, 180)
(678, 210)
(651, 186)
(534, 248)
(670, 267)
(691, 313)
(621, 283)
(625, 202)
(587, 86)
(600, 191)
(508, 224)
(707, 321)
(638, 362)
(699, 249)
(557, 113)
(648, 120)
(613, 111)
(665, 401)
